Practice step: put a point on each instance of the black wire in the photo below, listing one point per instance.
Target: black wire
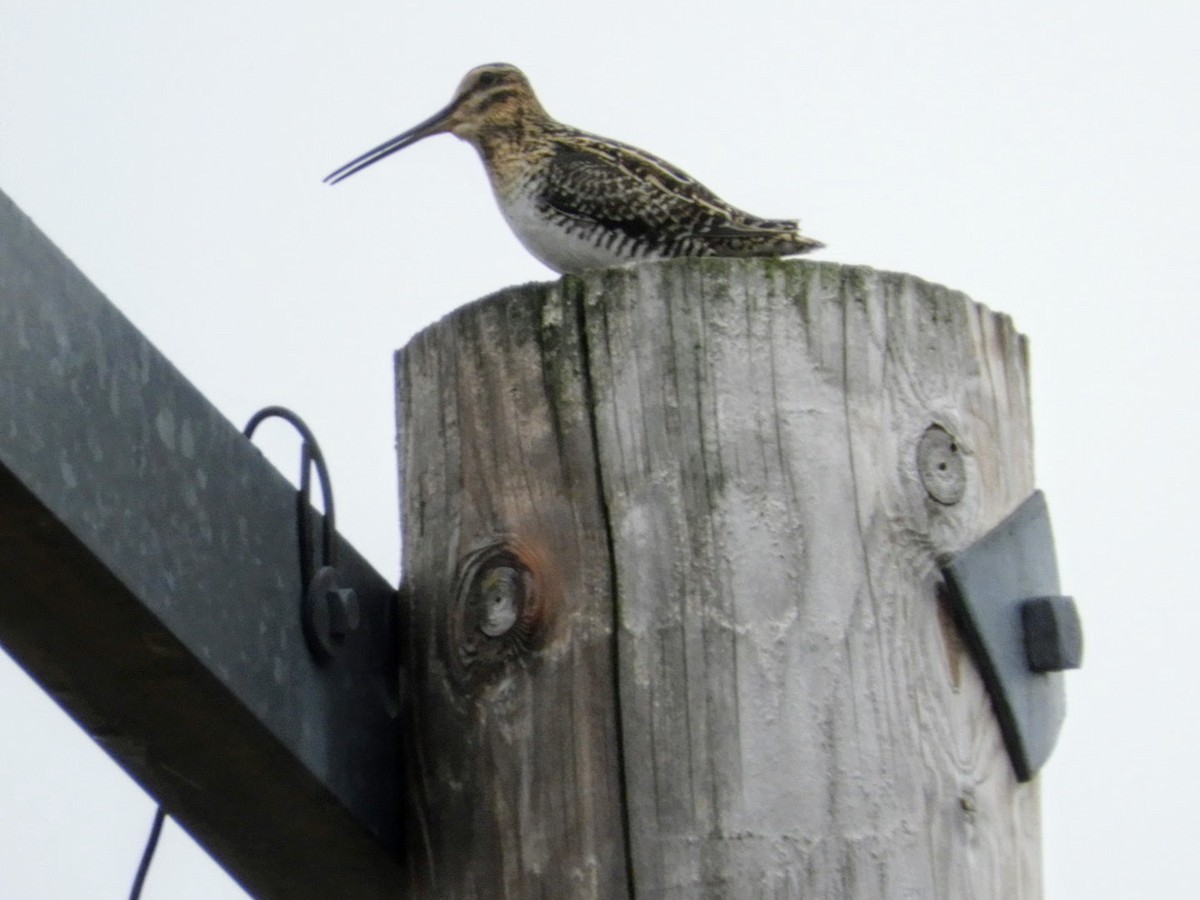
(310, 454)
(148, 854)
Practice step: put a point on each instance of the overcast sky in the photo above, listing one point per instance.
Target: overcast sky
(1042, 157)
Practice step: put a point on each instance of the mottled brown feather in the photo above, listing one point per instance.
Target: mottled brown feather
(654, 204)
(578, 200)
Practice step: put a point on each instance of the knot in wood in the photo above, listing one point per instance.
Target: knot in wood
(501, 609)
(940, 463)
(500, 599)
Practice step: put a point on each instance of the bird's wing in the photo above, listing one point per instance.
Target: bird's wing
(621, 187)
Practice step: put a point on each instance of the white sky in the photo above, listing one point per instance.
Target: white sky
(1041, 157)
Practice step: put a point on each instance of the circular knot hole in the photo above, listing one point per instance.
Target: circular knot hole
(506, 592)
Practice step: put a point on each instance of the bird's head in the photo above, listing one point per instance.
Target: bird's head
(493, 98)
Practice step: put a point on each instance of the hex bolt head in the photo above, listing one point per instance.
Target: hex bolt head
(329, 614)
(343, 612)
(1053, 634)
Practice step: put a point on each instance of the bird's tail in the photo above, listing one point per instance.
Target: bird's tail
(802, 244)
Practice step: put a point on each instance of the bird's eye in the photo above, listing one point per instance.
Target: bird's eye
(488, 79)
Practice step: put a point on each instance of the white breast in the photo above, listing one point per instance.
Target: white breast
(561, 246)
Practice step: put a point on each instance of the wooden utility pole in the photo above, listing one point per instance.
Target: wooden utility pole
(671, 620)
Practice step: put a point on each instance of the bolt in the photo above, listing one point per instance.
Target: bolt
(1053, 634)
(343, 612)
(329, 614)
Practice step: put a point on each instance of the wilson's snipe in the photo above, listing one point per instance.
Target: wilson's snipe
(578, 201)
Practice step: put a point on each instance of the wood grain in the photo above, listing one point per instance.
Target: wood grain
(514, 759)
(734, 678)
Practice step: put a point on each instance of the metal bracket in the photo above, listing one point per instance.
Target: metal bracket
(1003, 592)
(328, 611)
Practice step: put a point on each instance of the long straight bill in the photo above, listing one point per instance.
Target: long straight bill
(433, 125)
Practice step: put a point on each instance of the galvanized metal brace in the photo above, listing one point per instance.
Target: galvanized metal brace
(1003, 592)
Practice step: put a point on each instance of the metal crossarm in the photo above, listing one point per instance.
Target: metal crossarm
(150, 582)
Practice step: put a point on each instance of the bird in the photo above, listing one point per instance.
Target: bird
(579, 201)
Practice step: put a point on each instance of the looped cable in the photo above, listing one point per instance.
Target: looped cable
(329, 609)
(310, 458)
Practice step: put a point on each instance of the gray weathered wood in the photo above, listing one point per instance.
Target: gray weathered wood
(731, 675)
(514, 757)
